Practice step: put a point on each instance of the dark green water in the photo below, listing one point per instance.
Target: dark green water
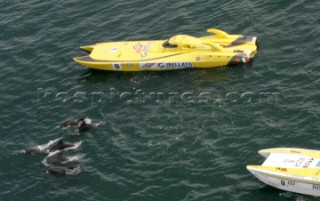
(183, 135)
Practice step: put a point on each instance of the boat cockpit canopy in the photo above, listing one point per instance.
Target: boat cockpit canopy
(182, 42)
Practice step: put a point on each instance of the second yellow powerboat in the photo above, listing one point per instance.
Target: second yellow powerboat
(178, 52)
(291, 169)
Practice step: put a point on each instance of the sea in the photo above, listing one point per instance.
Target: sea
(184, 135)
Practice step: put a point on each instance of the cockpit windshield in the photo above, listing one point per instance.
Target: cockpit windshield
(166, 44)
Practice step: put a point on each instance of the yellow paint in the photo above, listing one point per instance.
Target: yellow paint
(296, 151)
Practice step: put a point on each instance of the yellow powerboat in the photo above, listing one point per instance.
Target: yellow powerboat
(291, 169)
(178, 52)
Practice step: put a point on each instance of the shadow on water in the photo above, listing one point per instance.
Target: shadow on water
(270, 193)
(214, 74)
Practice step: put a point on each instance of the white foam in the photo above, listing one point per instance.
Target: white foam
(53, 153)
(44, 162)
(99, 123)
(74, 171)
(87, 121)
(75, 146)
(74, 158)
(45, 147)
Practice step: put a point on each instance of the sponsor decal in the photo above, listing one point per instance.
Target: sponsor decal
(145, 50)
(138, 47)
(147, 65)
(291, 183)
(116, 66)
(299, 162)
(308, 162)
(167, 65)
(315, 187)
(281, 169)
(113, 49)
(129, 64)
(240, 59)
(288, 161)
(142, 50)
(238, 51)
(245, 60)
(283, 182)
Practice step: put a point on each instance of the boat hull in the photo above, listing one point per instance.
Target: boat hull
(158, 65)
(178, 52)
(287, 184)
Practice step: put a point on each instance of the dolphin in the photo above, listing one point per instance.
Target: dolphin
(62, 145)
(40, 148)
(69, 122)
(80, 124)
(84, 124)
(58, 157)
(51, 146)
(60, 170)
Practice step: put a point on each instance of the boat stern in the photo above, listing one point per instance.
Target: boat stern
(82, 60)
(88, 48)
(253, 169)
